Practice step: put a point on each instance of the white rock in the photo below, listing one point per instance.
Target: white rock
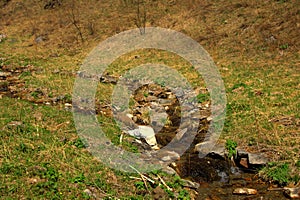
(245, 191)
(147, 133)
(134, 133)
(151, 141)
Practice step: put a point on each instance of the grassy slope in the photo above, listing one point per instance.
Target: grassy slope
(255, 45)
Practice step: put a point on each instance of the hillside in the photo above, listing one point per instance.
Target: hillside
(254, 44)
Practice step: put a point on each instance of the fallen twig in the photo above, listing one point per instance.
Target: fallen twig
(144, 178)
(164, 183)
(121, 138)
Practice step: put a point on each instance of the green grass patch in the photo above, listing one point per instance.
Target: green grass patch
(280, 173)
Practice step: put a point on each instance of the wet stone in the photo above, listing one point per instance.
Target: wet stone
(224, 176)
(235, 171)
(205, 169)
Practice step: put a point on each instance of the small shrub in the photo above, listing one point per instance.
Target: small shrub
(231, 147)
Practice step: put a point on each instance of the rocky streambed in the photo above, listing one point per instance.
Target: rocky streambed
(214, 176)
